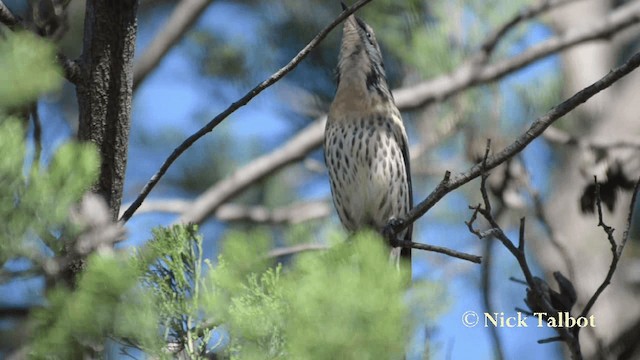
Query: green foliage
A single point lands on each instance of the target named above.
(35, 202)
(28, 69)
(38, 202)
(219, 57)
(344, 303)
(347, 303)
(106, 303)
(172, 265)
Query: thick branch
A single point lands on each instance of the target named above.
(182, 18)
(490, 43)
(293, 150)
(235, 106)
(290, 214)
(468, 75)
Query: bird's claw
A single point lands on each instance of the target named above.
(389, 231)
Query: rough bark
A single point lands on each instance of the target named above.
(105, 91)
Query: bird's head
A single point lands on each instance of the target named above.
(360, 64)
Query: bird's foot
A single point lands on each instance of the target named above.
(389, 231)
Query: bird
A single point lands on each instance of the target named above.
(365, 142)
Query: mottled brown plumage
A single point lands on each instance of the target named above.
(365, 143)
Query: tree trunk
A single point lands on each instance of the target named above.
(105, 91)
(610, 116)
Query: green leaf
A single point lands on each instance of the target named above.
(29, 69)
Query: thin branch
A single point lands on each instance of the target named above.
(557, 136)
(37, 134)
(439, 249)
(295, 249)
(467, 75)
(291, 214)
(7, 17)
(70, 68)
(538, 298)
(236, 105)
(537, 127)
(632, 206)
(181, 20)
(616, 250)
(490, 43)
(550, 340)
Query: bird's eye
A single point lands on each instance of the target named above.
(369, 35)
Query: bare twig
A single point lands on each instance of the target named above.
(236, 105)
(537, 296)
(182, 18)
(439, 249)
(616, 250)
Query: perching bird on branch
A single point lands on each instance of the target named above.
(365, 143)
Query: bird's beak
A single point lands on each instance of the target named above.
(350, 24)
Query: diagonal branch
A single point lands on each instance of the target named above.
(7, 17)
(236, 105)
(468, 75)
(182, 18)
(490, 43)
(293, 150)
(536, 129)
